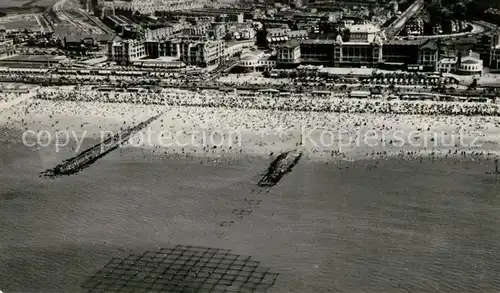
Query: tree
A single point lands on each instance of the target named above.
(459, 11)
(435, 9)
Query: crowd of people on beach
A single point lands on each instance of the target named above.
(119, 111)
(6, 97)
(297, 102)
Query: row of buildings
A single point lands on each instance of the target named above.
(149, 7)
(367, 47)
(467, 64)
(200, 52)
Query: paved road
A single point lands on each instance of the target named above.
(395, 28)
(76, 22)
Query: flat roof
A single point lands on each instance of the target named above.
(318, 41)
(357, 43)
(471, 61)
(363, 28)
(290, 44)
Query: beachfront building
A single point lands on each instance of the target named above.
(364, 47)
(428, 55)
(254, 62)
(163, 48)
(202, 53)
(373, 52)
(126, 51)
(317, 51)
(398, 54)
(289, 53)
(447, 65)
(466, 64)
(469, 64)
(199, 52)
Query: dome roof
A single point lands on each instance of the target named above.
(249, 57)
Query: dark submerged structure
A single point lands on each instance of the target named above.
(279, 167)
(190, 269)
(91, 155)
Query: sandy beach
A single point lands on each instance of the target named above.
(218, 131)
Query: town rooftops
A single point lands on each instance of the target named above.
(297, 34)
(364, 28)
(430, 45)
(274, 32)
(291, 44)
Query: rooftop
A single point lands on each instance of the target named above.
(405, 42)
(364, 28)
(430, 45)
(298, 33)
(291, 44)
(448, 60)
(318, 41)
(470, 60)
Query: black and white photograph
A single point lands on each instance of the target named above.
(249, 146)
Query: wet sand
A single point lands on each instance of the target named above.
(363, 226)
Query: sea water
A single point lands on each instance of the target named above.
(363, 226)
